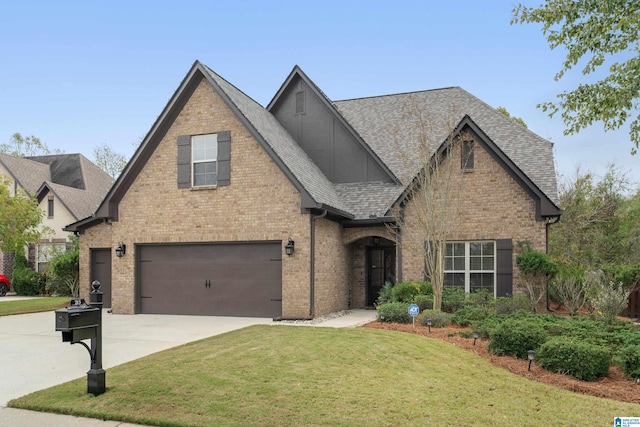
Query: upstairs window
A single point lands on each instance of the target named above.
(204, 156)
(204, 160)
(467, 155)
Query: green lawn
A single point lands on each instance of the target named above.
(32, 305)
(291, 376)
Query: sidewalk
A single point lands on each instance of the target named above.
(139, 336)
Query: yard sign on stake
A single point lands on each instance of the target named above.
(413, 311)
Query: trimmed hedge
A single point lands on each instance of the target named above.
(581, 360)
(516, 338)
(628, 359)
(394, 312)
(439, 319)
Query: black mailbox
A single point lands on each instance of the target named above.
(78, 321)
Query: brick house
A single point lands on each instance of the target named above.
(231, 208)
(68, 187)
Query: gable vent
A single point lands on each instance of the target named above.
(300, 102)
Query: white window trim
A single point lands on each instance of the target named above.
(205, 160)
(467, 265)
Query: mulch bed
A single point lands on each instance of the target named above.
(615, 386)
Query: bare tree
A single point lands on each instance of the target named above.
(108, 160)
(20, 146)
(425, 217)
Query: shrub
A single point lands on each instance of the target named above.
(482, 298)
(438, 318)
(26, 281)
(452, 299)
(406, 291)
(535, 269)
(516, 337)
(63, 270)
(385, 294)
(394, 312)
(424, 302)
(512, 304)
(571, 288)
(611, 300)
(582, 360)
(628, 359)
(470, 315)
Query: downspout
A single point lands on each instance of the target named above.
(312, 266)
(546, 237)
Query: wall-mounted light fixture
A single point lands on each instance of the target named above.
(289, 247)
(121, 249)
(376, 241)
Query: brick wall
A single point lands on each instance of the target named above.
(260, 204)
(486, 204)
(332, 272)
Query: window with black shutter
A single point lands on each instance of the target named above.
(204, 160)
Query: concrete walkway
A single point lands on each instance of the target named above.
(34, 356)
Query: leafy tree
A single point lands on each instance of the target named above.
(600, 222)
(595, 30)
(518, 120)
(20, 218)
(20, 146)
(108, 160)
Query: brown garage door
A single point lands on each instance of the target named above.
(211, 279)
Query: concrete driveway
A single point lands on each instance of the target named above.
(34, 356)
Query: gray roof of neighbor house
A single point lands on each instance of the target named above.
(78, 183)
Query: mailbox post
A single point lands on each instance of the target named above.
(80, 321)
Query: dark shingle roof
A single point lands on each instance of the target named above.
(376, 119)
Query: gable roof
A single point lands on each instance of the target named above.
(376, 118)
(370, 121)
(78, 183)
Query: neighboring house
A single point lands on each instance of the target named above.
(230, 208)
(68, 188)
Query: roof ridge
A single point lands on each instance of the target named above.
(399, 94)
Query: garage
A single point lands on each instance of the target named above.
(226, 279)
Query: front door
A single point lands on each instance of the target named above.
(101, 271)
(381, 266)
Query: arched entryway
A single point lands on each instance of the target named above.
(374, 263)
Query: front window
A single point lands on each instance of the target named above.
(204, 154)
(47, 251)
(470, 265)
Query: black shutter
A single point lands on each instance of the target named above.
(184, 161)
(504, 267)
(224, 158)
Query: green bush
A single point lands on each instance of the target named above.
(26, 281)
(482, 298)
(385, 294)
(512, 304)
(516, 337)
(438, 318)
(582, 360)
(394, 312)
(452, 299)
(406, 291)
(628, 359)
(424, 302)
(470, 315)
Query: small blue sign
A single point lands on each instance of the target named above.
(414, 310)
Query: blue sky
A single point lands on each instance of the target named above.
(78, 74)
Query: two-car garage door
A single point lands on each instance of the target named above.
(231, 279)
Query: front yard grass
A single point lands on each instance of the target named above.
(289, 376)
(32, 305)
